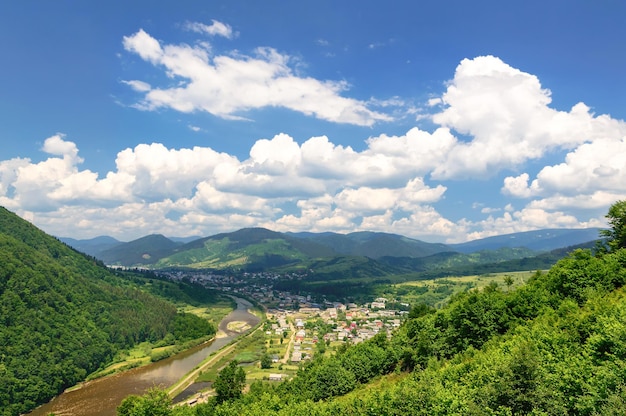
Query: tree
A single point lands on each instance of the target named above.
(266, 361)
(155, 402)
(616, 235)
(508, 281)
(230, 382)
(419, 310)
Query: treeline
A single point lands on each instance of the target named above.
(63, 315)
(554, 346)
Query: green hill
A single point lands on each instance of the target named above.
(247, 249)
(259, 249)
(374, 245)
(62, 315)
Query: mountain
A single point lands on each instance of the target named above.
(374, 245)
(62, 315)
(248, 248)
(256, 249)
(260, 249)
(539, 240)
(93, 246)
(143, 251)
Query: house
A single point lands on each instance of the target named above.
(276, 377)
(300, 335)
(330, 336)
(342, 333)
(296, 357)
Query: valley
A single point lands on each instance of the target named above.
(324, 302)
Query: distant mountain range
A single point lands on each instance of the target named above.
(539, 240)
(262, 249)
(93, 246)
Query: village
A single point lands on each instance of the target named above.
(298, 327)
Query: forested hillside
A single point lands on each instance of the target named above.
(556, 346)
(62, 315)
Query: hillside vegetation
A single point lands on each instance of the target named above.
(555, 346)
(63, 315)
(259, 249)
(347, 266)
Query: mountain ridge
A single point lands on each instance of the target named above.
(258, 246)
(539, 240)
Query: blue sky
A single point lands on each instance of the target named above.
(443, 121)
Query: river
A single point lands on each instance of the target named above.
(101, 397)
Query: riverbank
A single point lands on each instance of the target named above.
(237, 331)
(100, 397)
(147, 353)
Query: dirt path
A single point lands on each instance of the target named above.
(290, 345)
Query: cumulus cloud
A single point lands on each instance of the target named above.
(9, 170)
(506, 114)
(492, 119)
(592, 177)
(144, 45)
(228, 85)
(278, 184)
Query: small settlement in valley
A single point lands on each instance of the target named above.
(298, 327)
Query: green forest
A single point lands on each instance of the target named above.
(554, 346)
(63, 315)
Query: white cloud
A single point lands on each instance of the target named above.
(593, 176)
(276, 184)
(226, 86)
(517, 186)
(55, 145)
(147, 47)
(488, 210)
(214, 29)
(592, 166)
(9, 170)
(395, 184)
(138, 86)
(506, 114)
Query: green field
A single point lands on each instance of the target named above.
(436, 292)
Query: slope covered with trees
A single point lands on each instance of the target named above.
(63, 315)
(552, 347)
